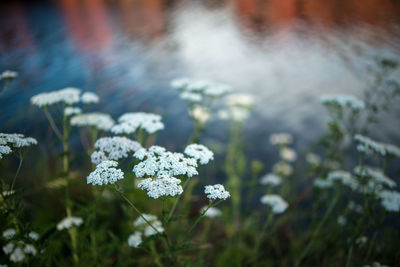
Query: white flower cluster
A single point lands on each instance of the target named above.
(322, 183)
(212, 212)
(313, 159)
(144, 229)
(157, 162)
(68, 96)
(199, 153)
(8, 74)
(18, 250)
(216, 191)
(343, 101)
(271, 179)
(90, 98)
(14, 140)
(280, 139)
(166, 186)
(377, 176)
(113, 148)
(105, 173)
(200, 114)
(101, 121)
(368, 146)
(239, 106)
(344, 177)
(390, 200)
(194, 91)
(376, 264)
(282, 168)
(276, 202)
(69, 222)
(69, 111)
(288, 154)
(129, 123)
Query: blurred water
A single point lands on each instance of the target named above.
(285, 52)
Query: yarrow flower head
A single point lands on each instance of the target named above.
(344, 177)
(343, 101)
(144, 227)
(157, 162)
(282, 168)
(68, 96)
(9, 233)
(276, 202)
(200, 114)
(368, 146)
(200, 87)
(390, 200)
(113, 148)
(280, 139)
(89, 98)
(129, 123)
(240, 100)
(167, 186)
(200, 153)
(69, 111)
(105, 173)
(135, 239)
(377, 176)
(14, 140)
(8, 74)
(69, 222)
(18, 250)
(216, 191)
(100, 121)
(288, 154)
(271, 179)
(211, 212)
(322, 183)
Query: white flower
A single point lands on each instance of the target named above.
(368, 146)
(69, 222)
(322, 183)
(4, 150)
(113, 148)
(8, 248)
(343, 101)
(238, 114)
(9, 233)
(148, 230)
(282, 168)
(17, 255)
(344, 177)
(216, 191)
(98, 120)
(129, 123)
(89, 98)
(376, 175)
(341, 220)
(67, 96)
(135, 239)
(271, 179)
(240, 100)
(390, 200)
(288, 154)
(105, 173)
(200, 114)
(200, 153)
(203, 87)
(180, 83)
(8, 74)
(30, 249)
(16, 140)
(280, 139)
(156, 161)
(313, 159)
(33, 235)
(212, 212)
(276, 202)
(167, 186)
(69, 111)
(191, 97)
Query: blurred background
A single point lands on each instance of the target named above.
(285, 52)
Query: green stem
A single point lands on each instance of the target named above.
(171, 212)
(53, 124)
(5, 87)
(349, 254)
(316, 231)
(21, 158)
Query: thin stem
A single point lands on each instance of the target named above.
(136, 209)
(21, 159)
(349, 254)
(171, 212)
(261, 236)
(5, 87)
(316, 231)
(53, 124)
